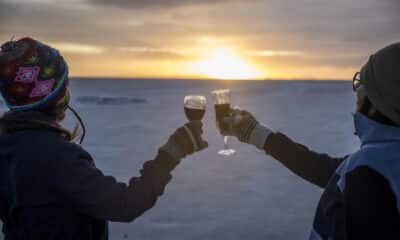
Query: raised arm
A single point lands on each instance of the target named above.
(92, 193)
(314, 167)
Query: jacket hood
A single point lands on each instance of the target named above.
(12, 122)
(370, 131)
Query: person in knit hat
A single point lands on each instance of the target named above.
(361, 198)
(33, 76)
(50, 187)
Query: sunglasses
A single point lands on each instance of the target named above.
(356, 81)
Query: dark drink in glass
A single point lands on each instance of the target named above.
(195, 107)
(222, 103)
(194, 114)
(222, 111)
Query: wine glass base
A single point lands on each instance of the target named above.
(227, 152)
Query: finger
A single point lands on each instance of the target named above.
(244, 112)
(236, 108)
(237, 119)
(236, 112)
(201, 142)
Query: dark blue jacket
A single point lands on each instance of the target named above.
(361, 196)
(353, 194)
(50, 188)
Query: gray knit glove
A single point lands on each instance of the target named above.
(243, 125)
(185, 140)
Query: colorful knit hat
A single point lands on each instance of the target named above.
(33, 76)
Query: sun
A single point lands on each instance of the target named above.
(225, 63)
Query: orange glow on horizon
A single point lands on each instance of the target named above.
(206, 61)
(224, 63)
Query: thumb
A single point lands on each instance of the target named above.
(195, 132)
(236, 108)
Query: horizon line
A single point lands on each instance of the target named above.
(203, 79)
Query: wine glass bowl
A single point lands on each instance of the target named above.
(222, 104)
(195, 107)
(222, 96)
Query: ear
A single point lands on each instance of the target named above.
(361, 98)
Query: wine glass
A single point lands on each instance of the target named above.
(195, 107)
(222, 105)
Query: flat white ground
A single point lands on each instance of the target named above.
(245, 196)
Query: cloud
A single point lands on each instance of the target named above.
(74, 23)
(6, 11)
(301, 33)
(140, 4)
(274, 53)
(154, 53)
(75, 48)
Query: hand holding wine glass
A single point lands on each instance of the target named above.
(243, 125)
(195, 109)
(188, 139)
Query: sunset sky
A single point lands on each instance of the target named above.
(232, 39)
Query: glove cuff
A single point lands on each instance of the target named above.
(172, 150)
(259, 135)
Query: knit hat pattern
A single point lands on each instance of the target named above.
(32, 75)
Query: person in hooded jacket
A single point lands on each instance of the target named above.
(50, 187)
(361, 197)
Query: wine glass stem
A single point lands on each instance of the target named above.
(225, 142)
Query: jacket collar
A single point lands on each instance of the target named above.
(370, 131)
(12, 122)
